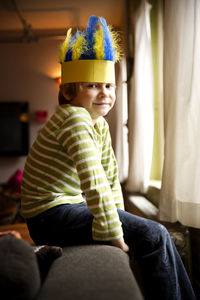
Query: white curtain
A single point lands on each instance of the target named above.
(180, 192)
(140, 122)
(117, 120)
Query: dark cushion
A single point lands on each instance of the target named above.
(19, 272)
(91, 272)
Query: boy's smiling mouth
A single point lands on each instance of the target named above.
(102, 103)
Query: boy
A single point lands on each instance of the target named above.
(70, 189)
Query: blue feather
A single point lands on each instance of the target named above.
(108, 43)
(91, 26)
(90, 30)
(68, 55)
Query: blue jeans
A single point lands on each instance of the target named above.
(163, 273)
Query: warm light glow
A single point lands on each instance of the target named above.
(56, 76)
(58, 79)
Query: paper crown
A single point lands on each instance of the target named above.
(90, 56)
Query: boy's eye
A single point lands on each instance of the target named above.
(110, 86)
(96, 86)
(92, 85)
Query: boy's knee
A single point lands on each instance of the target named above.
(154, 236)
(160, 229)
(157, 232)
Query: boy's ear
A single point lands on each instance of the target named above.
(63, 99)
(65, 95)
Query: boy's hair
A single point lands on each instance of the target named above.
(70, 89)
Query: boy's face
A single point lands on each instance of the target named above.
(97, 98)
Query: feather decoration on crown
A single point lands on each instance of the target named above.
(64, 46)
(98, 41)
(68, 55)
(89, 36)
(115, 40)
(87, 41)
(75, 42)
(78, 45)
(108, 42)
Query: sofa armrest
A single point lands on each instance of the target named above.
(19, 272)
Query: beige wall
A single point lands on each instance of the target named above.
(26, 74)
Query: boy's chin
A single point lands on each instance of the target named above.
(103, 112)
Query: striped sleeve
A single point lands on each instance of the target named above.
(109, 164)
(78, 138)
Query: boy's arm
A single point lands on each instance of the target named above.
(109, 164)
(77, 137)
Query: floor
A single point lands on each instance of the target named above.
(21, 228)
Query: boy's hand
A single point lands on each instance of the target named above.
(120, 244)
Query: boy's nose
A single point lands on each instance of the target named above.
(103, 90)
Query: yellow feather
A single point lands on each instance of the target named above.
(64, 47)
(78, 46)
(115, 38)
(98, 43)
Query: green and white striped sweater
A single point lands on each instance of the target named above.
(71, 156)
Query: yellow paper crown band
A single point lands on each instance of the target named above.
(88, 71)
